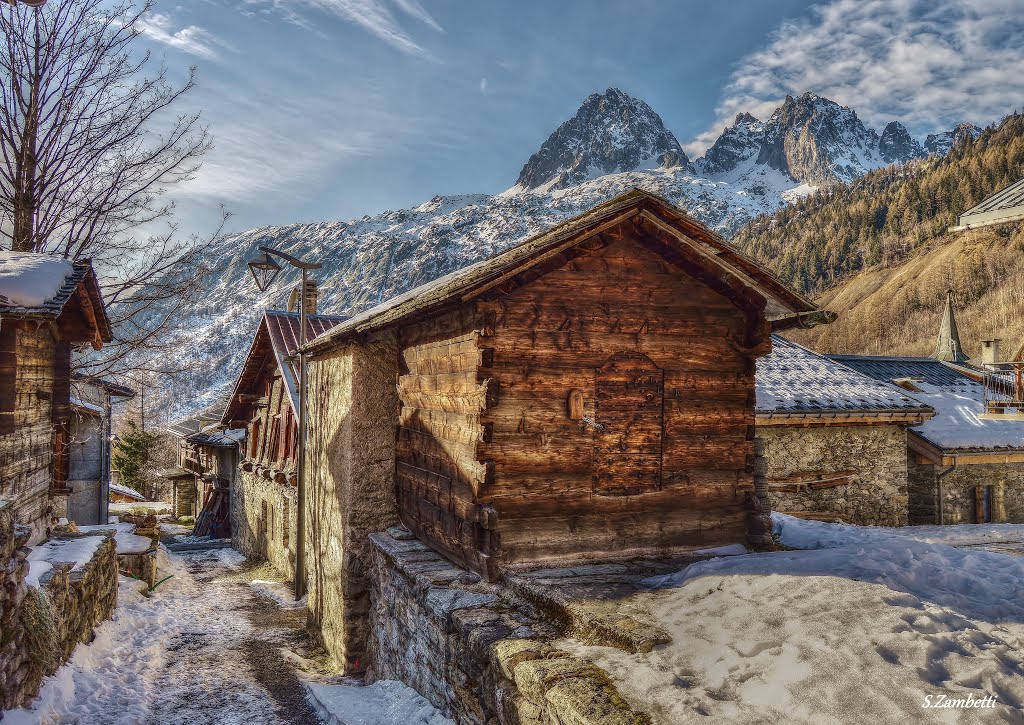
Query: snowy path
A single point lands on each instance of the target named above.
(226, 665)
(205, 649)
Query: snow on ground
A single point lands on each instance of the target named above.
(383, 703)
(859, 628)
(277, 592)
(125, 538)
(206, 649)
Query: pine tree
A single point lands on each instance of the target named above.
(132, 454)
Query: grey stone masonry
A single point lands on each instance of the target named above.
(472, 649)
(856, 473)
(39, 629)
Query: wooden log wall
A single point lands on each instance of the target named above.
(661, 458)
(440, 472)
(604, 405)
(26, 452)
(272, 434)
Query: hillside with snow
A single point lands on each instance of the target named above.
(612, 144)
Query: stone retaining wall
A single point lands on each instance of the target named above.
(472, 650)
(13, 569)
(57, 616)
(82, 598)
(264, 521)
(875, 457)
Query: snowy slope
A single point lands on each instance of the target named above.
(376, 257)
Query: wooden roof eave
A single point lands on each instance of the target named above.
(249, 372)
(826, 417)
(474, 280)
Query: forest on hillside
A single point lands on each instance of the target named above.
(880, 252)
(887, 216)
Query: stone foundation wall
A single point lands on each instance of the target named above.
(875, 493)
(14, 664)
(40, 629)
(960, 491)
(264, 520)
(351, 488)
(466, 647)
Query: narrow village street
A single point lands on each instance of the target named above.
(207, 647)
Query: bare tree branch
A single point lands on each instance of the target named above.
(87, 152)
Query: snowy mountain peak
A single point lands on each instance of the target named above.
(611, 132)
(940, 143)
(896, 144)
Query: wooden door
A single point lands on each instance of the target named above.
(630, 393)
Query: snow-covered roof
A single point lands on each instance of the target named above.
(40, 285)
(126, 491)
(86, 407)
(1006, 205)
(793, 379)
(958, 400)
(957, 426)
(31, 280)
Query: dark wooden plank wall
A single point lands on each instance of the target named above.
(492, 470)
(677, 410)
(439, 471)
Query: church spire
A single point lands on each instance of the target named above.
(948, 346)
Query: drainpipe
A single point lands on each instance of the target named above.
(938, 488)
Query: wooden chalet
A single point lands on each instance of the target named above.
(587, 394)
(48, 306)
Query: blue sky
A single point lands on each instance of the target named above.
(331, 109)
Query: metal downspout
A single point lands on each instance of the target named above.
(938, 486)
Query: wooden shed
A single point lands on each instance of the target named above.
(587, 394)
(48, 305)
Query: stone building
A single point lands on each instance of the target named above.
(207, 463)
(90, 429)
(48, 307)
(264, 406)
(834, 441)
(963, 467)
(585, 395)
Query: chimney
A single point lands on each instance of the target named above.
(990, 351)
(312, 293)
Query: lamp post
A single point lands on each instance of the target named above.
(265, 270)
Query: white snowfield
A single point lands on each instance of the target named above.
(29, 279)
(858, 628)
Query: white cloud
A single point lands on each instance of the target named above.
(263, 149)
(927, 63)
(483, 86)
(374, 16)
(191, 39)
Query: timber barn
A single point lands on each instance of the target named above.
(48, 306)
(585, 395)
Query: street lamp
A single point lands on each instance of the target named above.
(265, 270)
